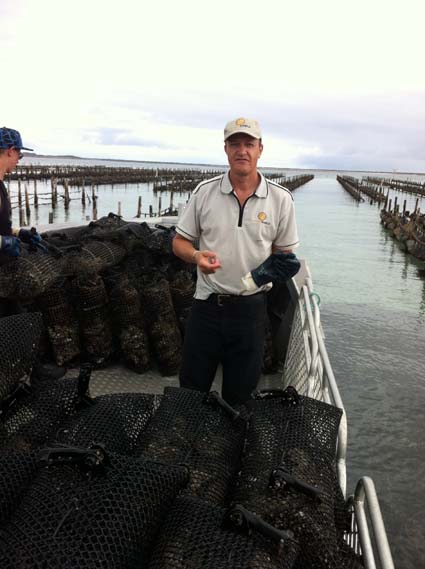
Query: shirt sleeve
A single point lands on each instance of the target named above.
(188, 224)
(287, 232)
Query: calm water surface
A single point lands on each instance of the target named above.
(373, 312)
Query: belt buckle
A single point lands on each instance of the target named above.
(221, 298)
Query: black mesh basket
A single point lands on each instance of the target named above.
(131, 235)
(105, 253)
(182, 288)
(128, 325)
(288, 474)
(102, 510)
(202, 432)
(95, 327)
(195, 535)
(61, 322)
(19, 337)
(162, 326)
(161, 240)
(37, 413)
(34, 273)
(17, 469)
(115, 420)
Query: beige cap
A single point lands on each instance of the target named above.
(247, 126)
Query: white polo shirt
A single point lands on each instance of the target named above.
(242, 236)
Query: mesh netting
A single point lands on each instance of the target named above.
(193, 429)
(162, 325)
(161, 240)
(17, 469)
(30, 274)
(19, 337)
(37, 414)
(182, 288)
(288, 473)
(194, 535)
(128, 325)
(103, 253)
(105, 223)
(70, 519)
(116, 421)
(131, 236)
(7, 279)
(95, 327)
(296, 369)
(61, 322)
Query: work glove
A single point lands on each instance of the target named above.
(29, 236)
(279, 268)
(10, 245)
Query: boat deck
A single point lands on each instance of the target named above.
(119, 379)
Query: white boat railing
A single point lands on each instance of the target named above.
(366, 515)
(307, 366)
(308, 369)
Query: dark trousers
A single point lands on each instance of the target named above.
(231, 334)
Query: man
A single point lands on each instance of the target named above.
(10, 239)
(246, 229)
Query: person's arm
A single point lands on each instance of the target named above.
(206, 260)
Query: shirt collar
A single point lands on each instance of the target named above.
(260, 192)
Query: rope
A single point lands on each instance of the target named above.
(316, 296)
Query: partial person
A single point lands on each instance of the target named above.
(11, 147)
(10, 238)
(246, 228)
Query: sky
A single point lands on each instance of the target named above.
(334, 84)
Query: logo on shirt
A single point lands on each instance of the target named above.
(262, 216)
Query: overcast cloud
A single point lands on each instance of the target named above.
(334, 84)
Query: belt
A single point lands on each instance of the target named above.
(222, 299)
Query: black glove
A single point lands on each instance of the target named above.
(10, 245)
(29, 236)
(279, 267)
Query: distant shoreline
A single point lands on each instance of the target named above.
(72, 157)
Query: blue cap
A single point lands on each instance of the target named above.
(10, 138)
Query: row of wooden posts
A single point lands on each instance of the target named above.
(23, 204)
(177, 181)
(408, 228)
(358, 188)
(408, 186)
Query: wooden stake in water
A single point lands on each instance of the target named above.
(66, 194)
(35, 194)
(27, 202)
(94, 207)
(139, 207)
(19, 194)
(119, 209)
(159, 205)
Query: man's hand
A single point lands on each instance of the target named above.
(11, 246)
(207, 261)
